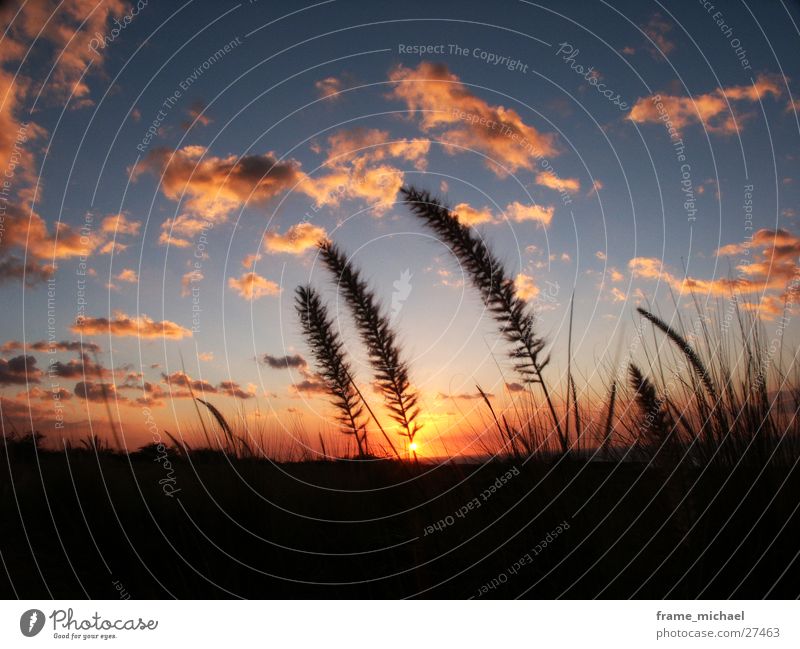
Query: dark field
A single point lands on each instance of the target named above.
(92, 525)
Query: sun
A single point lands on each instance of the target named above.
(412, 446)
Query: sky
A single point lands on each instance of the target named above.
(168, 169)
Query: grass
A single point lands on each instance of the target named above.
(335, 369)
(374, 327)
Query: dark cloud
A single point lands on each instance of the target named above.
(32, 271)
(97, 391)
(283, 362)
(55, 346)
(79, 367)
(19, 370)
(465, 395)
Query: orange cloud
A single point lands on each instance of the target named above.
(768, 263)
(551, 181)
(192, 277)
(375, 145)
(120, 224)
(252, 286)
(469, 215)
(328, 87)
(526, 287)
(128, 275)
(29, 231)
(215, 186)
(445, 104)
(710, 109)
(617, 295)
(125, 325)
(516, 211)
(298, 238)
(70, 28)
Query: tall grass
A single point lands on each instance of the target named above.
(497, 289)
(328, 351)
(383, 349)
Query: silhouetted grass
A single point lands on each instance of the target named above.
(391, 372)
(517, 323)
(328, 351)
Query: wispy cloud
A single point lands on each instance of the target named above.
(252, 286)
(461, 118)
(297, 239)
(124, 325)
(711, 109)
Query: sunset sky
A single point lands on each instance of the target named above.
(167, 175)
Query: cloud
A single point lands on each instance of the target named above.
(201, 386)
(312, 383)
(196, 115)
(153, 394)
(19, 370)
(657, 29)
(540, 214)
(71, 28)
(375, 145)
(125, 325)
(710, 109)
(469, 215)
(183, 380)
(53, 394)
(298, 238)
(252, 286)
(767, 263)
(329, 87)
(283, 362)
(214, 186)
(120, 224)
(526, 287)
(447, 106)
(31, 270)
(597, 185)
(128, 275)
(233, 389)
(192, 277)
(74, 368)
(249, 261)
(617, 295)
(515, 387)
(182, 230)
(376, 185)
(551, 181)
(48, 346)
(97, 391)
(463, 395)
(29, 231)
